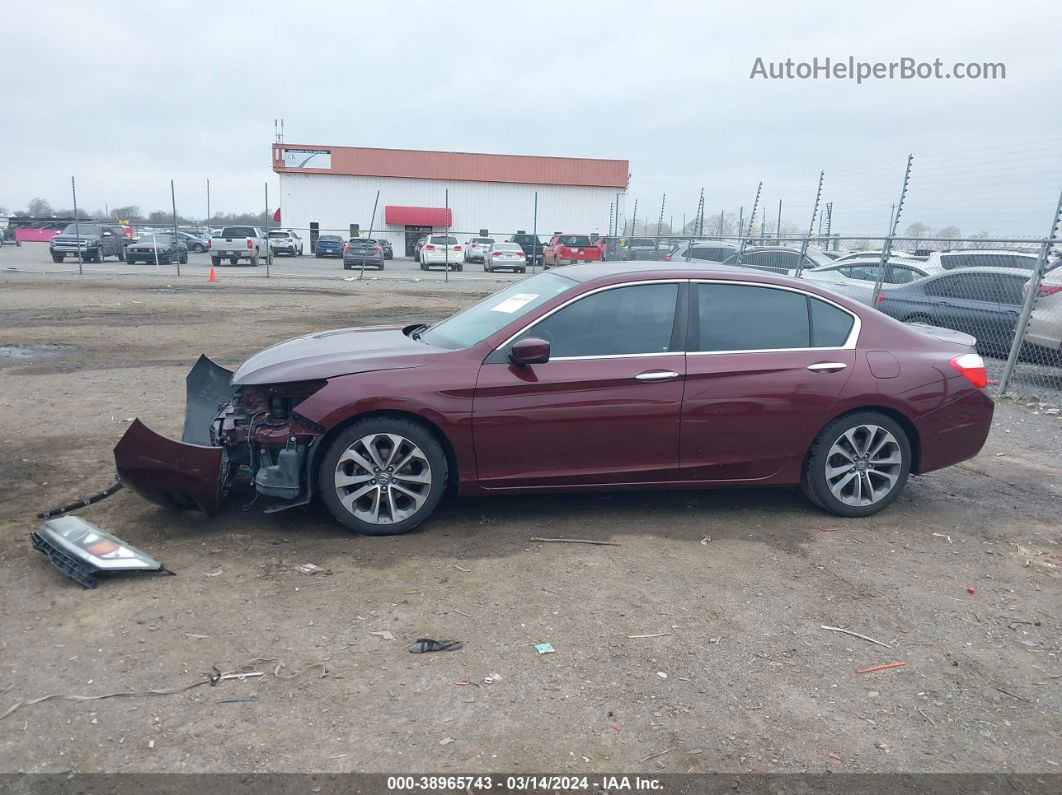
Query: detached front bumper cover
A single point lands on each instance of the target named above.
(185, 474)
(80, 550)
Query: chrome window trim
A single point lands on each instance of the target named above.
(585, 295)
(849, 343)
(615, 356)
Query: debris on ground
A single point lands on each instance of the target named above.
(423, 645)
(311, 568)
(882, 667)
(971, 591)
(81, 550)
(575, 541)
(544, 648)
(661, 674)
(650, 635)
(855, 635)
(383, 634)
(446, 740)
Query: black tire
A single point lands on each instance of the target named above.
(198, 248)
(346, 267)
(98, 256)
(460, 268)
(183, 258)
(121, 254)
(215, 261)
(381, 266)
(423, 267)
(814, 482)
(58, 257)
(412, 431)
(522, 270)
(318, 256)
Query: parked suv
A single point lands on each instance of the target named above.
(442, 250)
(361, 252)
(285, 242)
(95, 242)
(568, 249)
(477, 247)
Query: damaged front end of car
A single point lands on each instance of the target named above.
(233, 436)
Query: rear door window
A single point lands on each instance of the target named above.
(735, 317)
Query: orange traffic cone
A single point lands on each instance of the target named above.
(213, 277)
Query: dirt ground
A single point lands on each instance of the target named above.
(959, 578)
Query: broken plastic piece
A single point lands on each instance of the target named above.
(544, 648)
(80, 550)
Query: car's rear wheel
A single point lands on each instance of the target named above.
(858, 464)
(383, 476)
(198, 248)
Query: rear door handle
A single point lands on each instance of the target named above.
(826, 367)
(656, 375)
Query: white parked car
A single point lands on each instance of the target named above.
(285, 241)
(442, 250)
(1045, 322)
(856, 278)
(507, 256)
(981, 258)
(476, 248)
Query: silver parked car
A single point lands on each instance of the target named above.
(507, 256)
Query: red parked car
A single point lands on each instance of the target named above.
(605, 376)
(570, 249)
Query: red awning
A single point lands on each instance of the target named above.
(418, 216)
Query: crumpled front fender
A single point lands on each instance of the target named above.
(170, 473)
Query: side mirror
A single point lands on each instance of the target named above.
(530, 350)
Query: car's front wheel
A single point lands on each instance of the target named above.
(383, 476)
(858, 464)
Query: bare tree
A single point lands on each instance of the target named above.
(39, 208)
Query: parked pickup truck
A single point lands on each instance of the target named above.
(240, 242)
(95, 242)
(568, 249)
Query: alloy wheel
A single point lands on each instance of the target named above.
(383, 478)
(863, 465)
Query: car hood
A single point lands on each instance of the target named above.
(64, 238)
(328, 354)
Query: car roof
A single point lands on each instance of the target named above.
(697, 269)
(955, 252)
(1025, 274)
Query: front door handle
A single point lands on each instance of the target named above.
(656, 375)
(826, 367)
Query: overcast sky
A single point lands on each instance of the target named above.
(130, 96)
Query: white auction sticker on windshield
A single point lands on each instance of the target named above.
(514, 302)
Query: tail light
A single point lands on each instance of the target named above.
(378, 248)
(879, 298)
(457, 248)
(250, 243)
(210, 244)
(429, 247)
(972, 366)
(667, 257)
(1049, 289)
(520, 254)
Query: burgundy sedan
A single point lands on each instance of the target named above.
(604, 376)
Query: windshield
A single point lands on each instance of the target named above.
(85, 229)
(496, 311)
(237, 231)
(330, 239)
(279, 234)
(443, 240)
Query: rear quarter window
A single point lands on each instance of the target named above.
(830, 326)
